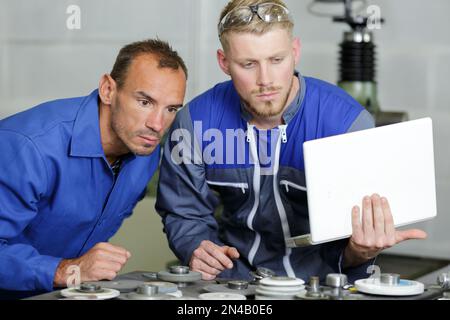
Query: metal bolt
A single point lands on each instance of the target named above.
(265, 272)
(179, 269)
(238, 285)
(261, 273)
(336, 280)
(314, 288)
(147, 289)
(89, 288)
(391, 279)
(443, 280)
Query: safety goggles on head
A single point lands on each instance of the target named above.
(267, 12)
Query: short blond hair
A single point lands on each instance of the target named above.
(256, 26)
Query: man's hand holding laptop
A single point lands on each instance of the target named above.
(375, 231)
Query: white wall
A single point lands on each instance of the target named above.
(40, 59)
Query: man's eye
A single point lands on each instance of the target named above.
(144, 103)
(173, 110)
(277, 60)
(248, 65)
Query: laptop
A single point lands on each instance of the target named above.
(396, 161)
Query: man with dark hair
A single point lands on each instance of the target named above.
(72, 170)
(242, 140)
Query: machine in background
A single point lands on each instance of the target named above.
(357, 62)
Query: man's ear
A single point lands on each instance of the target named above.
(223, 61)
(107, 89)
(297, 48)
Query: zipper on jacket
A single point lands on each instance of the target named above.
(281, 211)
(240, 185)
(288, 184)
(256, 189)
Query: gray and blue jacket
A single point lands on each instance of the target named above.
(212, 155)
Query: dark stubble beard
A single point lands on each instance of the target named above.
(123, 135)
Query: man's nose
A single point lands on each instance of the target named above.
(155, 120)
(264, 78)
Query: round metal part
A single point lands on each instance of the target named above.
(315, 296)
(147, 289)
(221, 296)
(249, 291)
(404, 288)
(336, 280)
(443, 280)
(314, 283)
(391, 279)
(264, 272)
(90, 288)
(164, 287)
(137, 296)
(151, 275)
(179, 269)
(282, 281)
(124, 286)
(261, 273)
(76, 294)
(237, 285)
(255, 277)
(314, 287)
(191, 276)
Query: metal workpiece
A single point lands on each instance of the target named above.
(153, 291)
(147, 289)
(389, 284)
(313, 290)
(138, 296)
(265, 272)
(336, 280)
(88, 292)
(391, 279)
(337, 289)
(123, 286)
(164, 287)
(238, 285)
(443, 280)
(261, 273)
(232, 286)
(222, 296)
(180, 275)
(179, 270)
(90, 288)
(150, 275)
(270, 288)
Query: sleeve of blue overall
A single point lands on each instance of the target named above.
(333, 252)
(23, 182)
(184, 200)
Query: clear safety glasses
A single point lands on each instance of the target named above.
(267, 12)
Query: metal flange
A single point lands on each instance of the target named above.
(179, 274)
